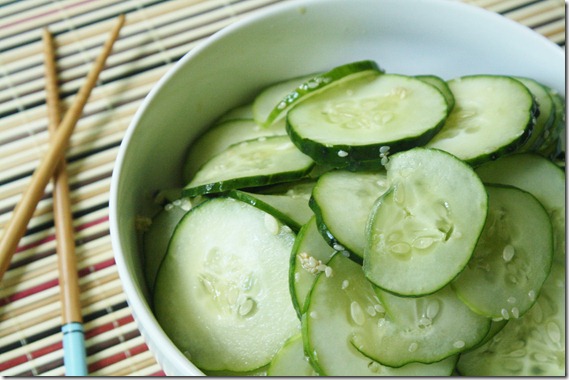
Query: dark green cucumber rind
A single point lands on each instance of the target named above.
(545, 115)
(321, 81)
(441, 85)
(257, 202)
(359, 157)
(328, 236)
(245, 182)
(551, 146)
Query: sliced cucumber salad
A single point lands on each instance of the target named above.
(359, 222)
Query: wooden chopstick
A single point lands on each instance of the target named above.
(24, 210)
(75, 357)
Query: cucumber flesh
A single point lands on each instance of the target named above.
(422, 232)
(281, 101)
(224, 276)
(158, 234)
(492, 116)
(442, 86)
(290, 209)
(309, 256)
(362, 119)
(533, 345)
(540, 177)
(513, 256)
(340, 306)
(290, 360)
(421, 329)
(342, 201)
(259, 162)
(220, 137)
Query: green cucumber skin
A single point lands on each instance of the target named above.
(358, 157)
(245, 182)
(328, 236)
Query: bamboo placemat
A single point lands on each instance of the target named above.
(156, 35)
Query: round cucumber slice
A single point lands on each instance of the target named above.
(343, 305)
(513, 256)
(258, 162)
(226, 275)
(493, 115)
(422, 232)
(366, 118)
(342, 201)
(290, 360)
(533, 345)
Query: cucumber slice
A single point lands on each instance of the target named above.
(156, 238)
(220, 137)
(342, 201)
(291, 210)
(290, 360)
(259, 162)
(244, 112)
(540, 177)
(268, 99)
(281, 102)
(365, 118)
(224, 276)
(513, 256)
(423, 329)
(553, 143)
(546, 113)
(309, 256)
(422, 231)
(341, 306)
(442, 86)
(533, 345)
(493, 116)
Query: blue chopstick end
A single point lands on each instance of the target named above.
(74, 354)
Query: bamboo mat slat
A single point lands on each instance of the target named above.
(157, 34)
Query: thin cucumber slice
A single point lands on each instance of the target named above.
(546, 113)
(224, 276)
(513, 256)
(423, 329)
(266, 101)
(244, 112)
(157, 236)
(493, 116)
(309, 86)
(341, 306)
(220, 137)
(290, 360)
(291, 210)
(342, 201)
(309, 256)
(422, 231)
(533, 345)
(442, 86)
(553, 143)
(365, 118)
(540, 177)
(259, 162)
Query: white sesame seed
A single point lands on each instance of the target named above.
(505, 314)
(357, 313)
(342, 153)
(345, 284)
(458, 344)
(328, 271)
(338, 247)
(515, 312)
(508, 253)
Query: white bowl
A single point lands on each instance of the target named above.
(293, 38)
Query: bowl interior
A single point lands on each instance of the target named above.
(289, 39)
